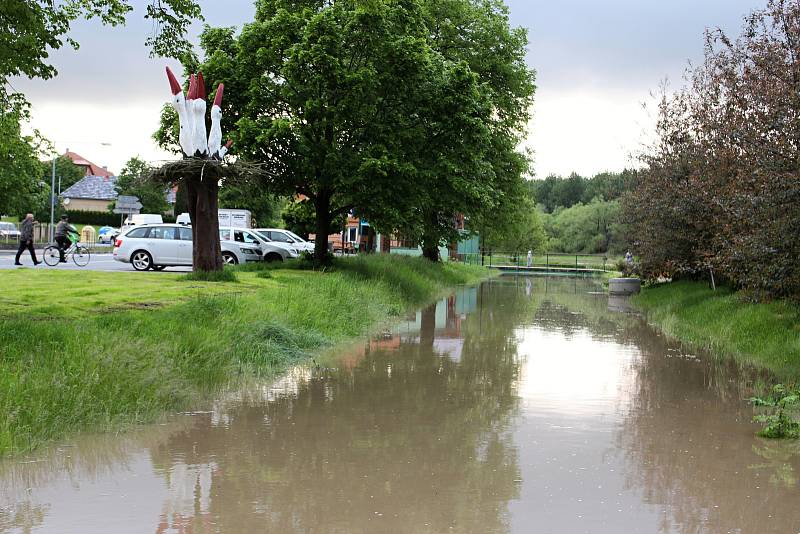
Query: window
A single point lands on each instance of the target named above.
(185, 234)
(225, 235)
(138, 232)
(295, 236)
(280, 237)
(264, 236)
(244, 237)
(352, 234)
(161, 232)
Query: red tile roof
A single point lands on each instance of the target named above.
(91, 168)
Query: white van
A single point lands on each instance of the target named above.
(143, 218)
(227, 219)
(235, 219)
(140, 219)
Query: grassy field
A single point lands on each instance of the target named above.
(765, 335)
(98, 351)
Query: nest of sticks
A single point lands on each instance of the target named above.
(207, 169)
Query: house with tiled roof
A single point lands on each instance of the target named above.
(91, 193)
(90, 169)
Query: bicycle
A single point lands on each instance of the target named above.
(80, 254)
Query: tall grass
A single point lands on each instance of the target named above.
(766, 335)
(98, 371)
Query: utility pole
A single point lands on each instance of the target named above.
(52, 198)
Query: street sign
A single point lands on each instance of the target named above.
(127, 204)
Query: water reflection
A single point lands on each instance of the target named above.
(522, 405)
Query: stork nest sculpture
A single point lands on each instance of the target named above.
(202, 167)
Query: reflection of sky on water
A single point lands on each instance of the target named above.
(572, 378)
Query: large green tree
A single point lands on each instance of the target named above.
(336, 101)
(479, 176)
(405, 112)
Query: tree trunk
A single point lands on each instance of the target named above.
(322, 206)
(427, 331)
(430, 249)
(203, 209)
(430, 241)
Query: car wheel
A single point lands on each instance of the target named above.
(229, 258)
(141, 260)
(273, 256)
(159, 267)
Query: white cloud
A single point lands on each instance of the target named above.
(83, 127)
(587, 131)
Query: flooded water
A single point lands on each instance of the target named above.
(522, 405)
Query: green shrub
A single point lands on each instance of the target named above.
(780, 419)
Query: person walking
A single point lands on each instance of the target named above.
(529, 260)
(63, 229)
(26, 239)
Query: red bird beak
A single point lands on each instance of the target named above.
(173, 82)
(201, 86)
(218, 97)
(192, 88)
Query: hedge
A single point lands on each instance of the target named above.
(101, 218)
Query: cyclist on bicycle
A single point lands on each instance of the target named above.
(63, 230)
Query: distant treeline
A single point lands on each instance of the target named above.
(583, 215)
(559, 192)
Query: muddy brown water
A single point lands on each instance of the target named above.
(522, 405)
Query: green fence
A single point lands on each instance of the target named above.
(548, 260)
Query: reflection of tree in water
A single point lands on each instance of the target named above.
(688, 446)
(407, 441)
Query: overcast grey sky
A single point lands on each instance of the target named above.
(597, 63)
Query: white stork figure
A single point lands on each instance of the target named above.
(215, 133)
(198, 107)
(179, 103)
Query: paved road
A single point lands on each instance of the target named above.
(99, 262)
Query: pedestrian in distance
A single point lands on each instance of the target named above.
(529, 261)
(629, 258)
(26, 239)
(63, 229)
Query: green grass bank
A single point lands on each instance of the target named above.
(98, 351)
(765, 335)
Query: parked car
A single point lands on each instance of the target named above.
(157, 246)
(107, 234)
(273, 250)
(285, 236)
(8, 231)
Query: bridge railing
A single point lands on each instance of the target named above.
(545, 260)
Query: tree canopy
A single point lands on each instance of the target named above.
(404, 112)
(559, 192)
(721, 188)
